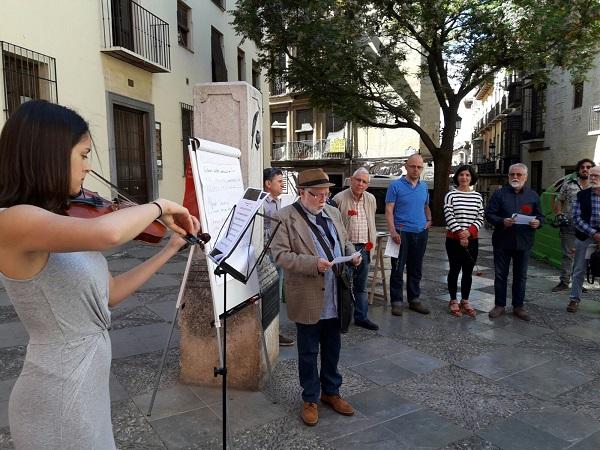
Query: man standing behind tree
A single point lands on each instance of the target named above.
(273, 184)
(358, 214)
(408, 219)
(563, 207)
(511, 240)
(586, 218)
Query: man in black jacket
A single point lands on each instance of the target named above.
(586, 218)
(508, 206)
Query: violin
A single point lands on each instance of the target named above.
(89, 204)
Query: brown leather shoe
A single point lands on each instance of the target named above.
(397, 309)
(496, 312)
(310, 413)
(521, 313)
(338, 404)
(418, 307)
(573, 305)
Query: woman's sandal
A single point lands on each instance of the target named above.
(454, 308)
(466, 308)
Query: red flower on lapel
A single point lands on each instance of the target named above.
(352, 212)
(526, 209)
(369, 246)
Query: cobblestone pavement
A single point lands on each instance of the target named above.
(424, 382)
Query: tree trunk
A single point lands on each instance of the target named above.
(441, 182)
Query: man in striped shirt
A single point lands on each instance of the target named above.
(586, 218)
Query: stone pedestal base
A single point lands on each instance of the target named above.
(246, 363)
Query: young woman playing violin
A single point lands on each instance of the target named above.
(58, 281)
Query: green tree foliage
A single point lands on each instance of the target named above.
(349, 55)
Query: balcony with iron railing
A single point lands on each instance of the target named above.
(278, 86)
(339, 148)
(133, 34)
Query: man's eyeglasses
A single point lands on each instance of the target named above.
(594, 175)
(323, 196)
(518, 175)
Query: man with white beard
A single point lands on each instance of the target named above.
(512, 240)
(586, 218)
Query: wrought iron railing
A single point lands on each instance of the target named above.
(278, 86)
(339, 148)
(129, 26)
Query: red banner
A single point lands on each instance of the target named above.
(189, 197)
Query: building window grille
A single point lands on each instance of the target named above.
(241, 65)
(183, 24)
(577, 95)
(219, 3)
(219, 68)
(187, 130)
(27, 75)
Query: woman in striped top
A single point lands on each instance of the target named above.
(463, 211)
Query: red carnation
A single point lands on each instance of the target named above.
(369, 246)
(526, 209)
(352, 212)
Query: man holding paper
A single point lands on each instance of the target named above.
(408, 219)
(310, 237)
(514, 211)
(358, 214)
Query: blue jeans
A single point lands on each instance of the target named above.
(326, 335)
(579, 267)
(360, 276)
(412, 251)
(502, 259)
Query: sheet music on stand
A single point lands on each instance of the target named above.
(233, 249)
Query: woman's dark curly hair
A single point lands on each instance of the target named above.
(462, 169)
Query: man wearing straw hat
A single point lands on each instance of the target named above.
(310, 229)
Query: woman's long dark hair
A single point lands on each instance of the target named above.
(35, 155)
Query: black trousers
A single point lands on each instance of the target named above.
(461, 258)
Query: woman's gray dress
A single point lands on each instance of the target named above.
(61, 399)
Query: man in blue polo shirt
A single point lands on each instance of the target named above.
(408, 218)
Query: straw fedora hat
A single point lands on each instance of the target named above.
(313, 178)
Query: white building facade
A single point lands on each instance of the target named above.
(129, 69)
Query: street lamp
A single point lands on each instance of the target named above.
(492, 150)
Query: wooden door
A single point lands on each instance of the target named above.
(131, 148)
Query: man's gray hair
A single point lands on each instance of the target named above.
(520, 165)
(362, 170)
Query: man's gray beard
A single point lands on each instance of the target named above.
(314, 211)
(594, 184)
(515, 184)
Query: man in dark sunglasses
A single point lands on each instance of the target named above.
(564, 214)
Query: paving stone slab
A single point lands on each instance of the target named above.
(117, 391)
(3, 413)
(381, 404)
(382, 371)
(4, 300)
(589, 330)
(501, 335)
(5, 389)
(174, 400)
(134, 317)
(370, 350)
(13, 334)
(501, 363)
(547, 380)
(415, 361)
(186, 429)
(130, 428)
(141, 339)
(513, 434)
(590, 443)
(560, 422)
(374, 438)
(333, 425)
(464, 397)
(425, 429)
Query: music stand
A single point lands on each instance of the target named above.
(224, 269)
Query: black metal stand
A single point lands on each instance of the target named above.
(223, 369)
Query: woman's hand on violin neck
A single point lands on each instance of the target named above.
(177, 217)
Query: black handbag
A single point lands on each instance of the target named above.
(345, 294)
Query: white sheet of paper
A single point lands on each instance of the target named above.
(522, 219)
(391, 248)
(343, 259)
